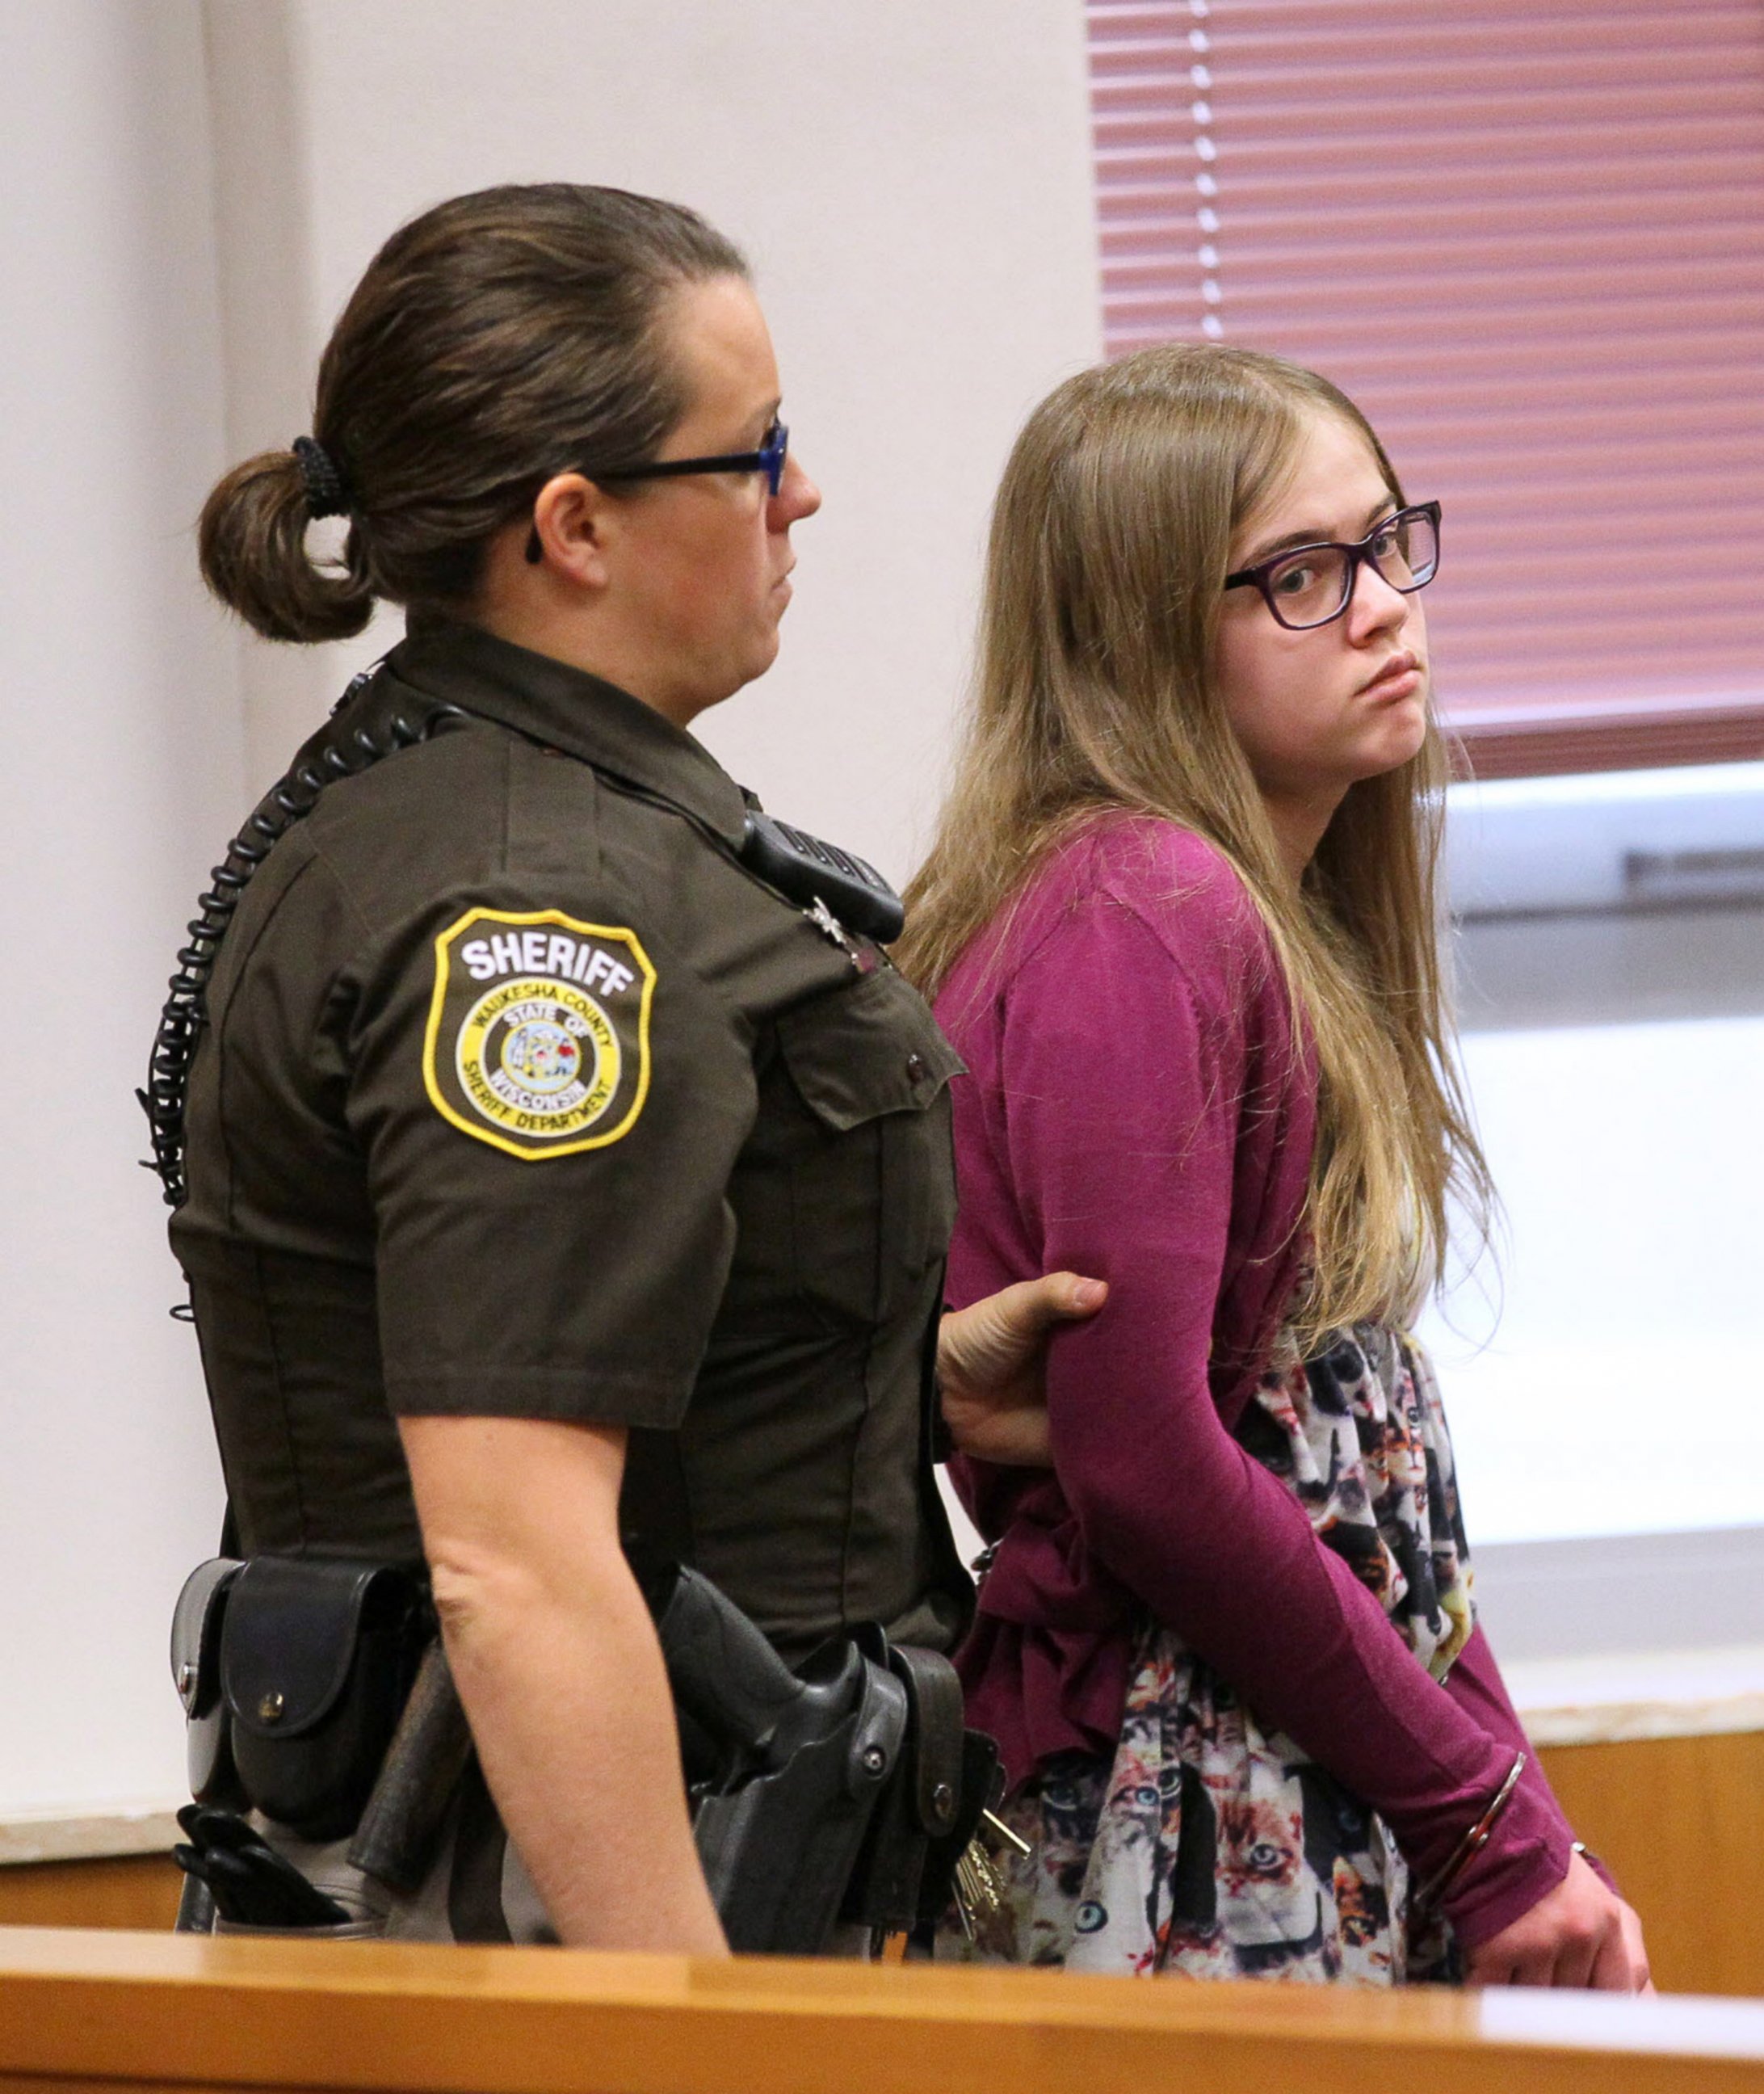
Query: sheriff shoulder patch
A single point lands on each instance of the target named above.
(538, 1039)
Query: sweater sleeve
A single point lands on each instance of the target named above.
(1122, 1098)
(1475, 1683)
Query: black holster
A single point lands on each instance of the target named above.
(838, 1795)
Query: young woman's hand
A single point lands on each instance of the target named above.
(1581, 1933)
(990, 1361)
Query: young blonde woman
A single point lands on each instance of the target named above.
(1180, 923)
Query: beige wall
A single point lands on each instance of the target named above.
(120, 777)
(913, 184)
(203, 185)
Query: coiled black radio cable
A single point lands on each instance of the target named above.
(336, 751)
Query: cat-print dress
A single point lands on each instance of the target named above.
(1209, 1846)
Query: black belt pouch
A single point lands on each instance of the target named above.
(196, 1630)
(316, 1660)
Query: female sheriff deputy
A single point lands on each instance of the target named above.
(557, 1193)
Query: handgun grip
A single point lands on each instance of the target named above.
(722, 1670)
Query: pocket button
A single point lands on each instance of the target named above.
(916, 1071)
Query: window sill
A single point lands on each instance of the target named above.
(1642, 1694)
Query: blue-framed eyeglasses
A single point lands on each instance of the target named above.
(1312, 584)
(768, 459)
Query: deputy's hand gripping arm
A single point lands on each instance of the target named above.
(991, 1366)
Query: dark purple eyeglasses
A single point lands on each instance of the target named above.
(1312, 584)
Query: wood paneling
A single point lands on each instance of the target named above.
(136, 2011)
(1680, 1820)
(136, 1891)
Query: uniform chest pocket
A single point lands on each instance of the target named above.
(871, 1174)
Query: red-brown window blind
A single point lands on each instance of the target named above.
(1527, 237)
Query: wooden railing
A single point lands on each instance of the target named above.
(112, 2011)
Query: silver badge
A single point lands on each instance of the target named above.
(862, 957)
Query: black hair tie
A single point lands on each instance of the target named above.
(319, 475)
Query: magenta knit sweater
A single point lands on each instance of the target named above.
(1138, 1111)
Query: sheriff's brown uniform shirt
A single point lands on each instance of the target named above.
(521, 1096)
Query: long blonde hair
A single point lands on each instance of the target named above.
(1110, 539)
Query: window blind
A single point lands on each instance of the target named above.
(1527, 237)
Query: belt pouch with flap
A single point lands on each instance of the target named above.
(196, 1624)
(316, 1659)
